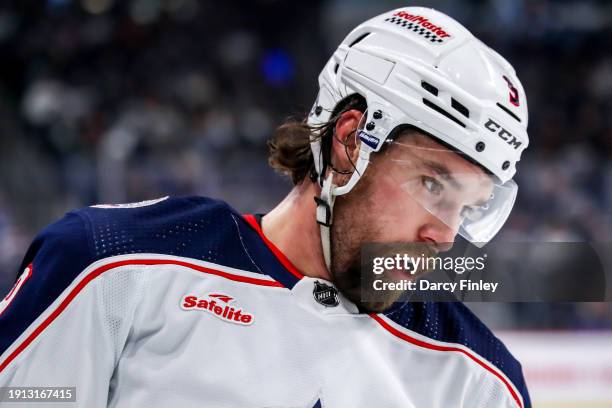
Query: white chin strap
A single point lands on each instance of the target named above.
(325, 212)
(325, 202)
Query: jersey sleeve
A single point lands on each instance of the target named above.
(454, 324)
(58, 325)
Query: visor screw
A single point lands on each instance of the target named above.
(377, 115)
(505, 165)
(480, 146)
(370, 126)
(318, 110)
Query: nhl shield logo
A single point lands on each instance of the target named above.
(325, 294)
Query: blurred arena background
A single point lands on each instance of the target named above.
(117, 101)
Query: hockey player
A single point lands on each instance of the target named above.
(414, 137)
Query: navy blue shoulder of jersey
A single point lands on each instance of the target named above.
(453, 322)
(191, 227)
(54, 256)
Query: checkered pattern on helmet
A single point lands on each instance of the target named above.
(409, 25)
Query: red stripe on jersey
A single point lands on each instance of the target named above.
(437, 347)
(98, 271)
(277, 252)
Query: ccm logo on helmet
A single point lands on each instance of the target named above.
(503, 133)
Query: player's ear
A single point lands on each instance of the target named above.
(345, 146)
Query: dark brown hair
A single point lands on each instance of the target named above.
(289, 146)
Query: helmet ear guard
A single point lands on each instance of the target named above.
(324, 120)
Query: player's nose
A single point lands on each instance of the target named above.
(439, 235)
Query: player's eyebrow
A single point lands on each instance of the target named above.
(444, 172)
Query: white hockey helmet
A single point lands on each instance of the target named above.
(419, 67)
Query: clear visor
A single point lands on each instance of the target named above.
(447, 184)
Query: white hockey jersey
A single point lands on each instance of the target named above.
(182, 302)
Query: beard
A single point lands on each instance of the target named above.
(350, 231)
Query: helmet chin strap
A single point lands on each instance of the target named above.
(325, 207)
(325, 202)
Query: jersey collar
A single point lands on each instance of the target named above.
(312, 293)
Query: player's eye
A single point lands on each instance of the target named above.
(432, 185)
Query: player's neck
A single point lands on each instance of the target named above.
(293, 228)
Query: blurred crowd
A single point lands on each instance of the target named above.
(118, 101)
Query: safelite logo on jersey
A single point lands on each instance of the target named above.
(212, 303)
